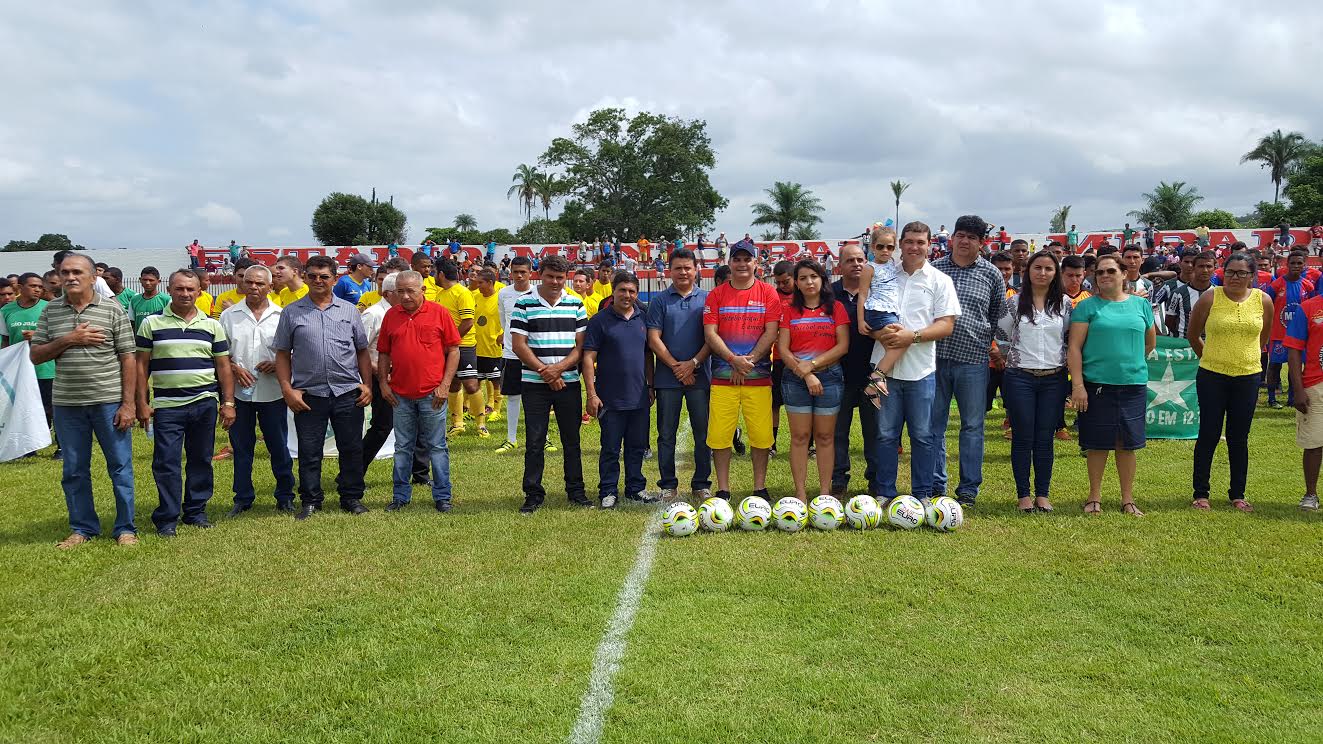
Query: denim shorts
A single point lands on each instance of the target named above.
(796, 396)
(879, 319)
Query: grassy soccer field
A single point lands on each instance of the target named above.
(482, 625)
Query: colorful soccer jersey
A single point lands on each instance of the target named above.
(740, 316)
(812, 330)
(1305, 333)
(459, 301)
(1286, 298)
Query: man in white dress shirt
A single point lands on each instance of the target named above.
(928, 309)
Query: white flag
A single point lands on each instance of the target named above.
(22, 419)
(329, 449)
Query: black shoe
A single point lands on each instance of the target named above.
(240, 509)
(58, 454)
(395, 506)
(965, 502)
(723, 495)
(529, 507)
(166, 531)
(307, 511)
(738, 445)
(286, 507)
(443, 506)
(838, 491)
(201, 523)
(354, 506)
(423, 481)
(763, 494)
(581, 503)
(642, 497)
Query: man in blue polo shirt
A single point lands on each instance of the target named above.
(352, 286)
(618, 338)
(681, 379)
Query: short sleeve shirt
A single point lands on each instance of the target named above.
(813, 330)
(87, 375)
(487, 324)
(551, 329)
(417, 344)
(323, 344)
(740, 316)
(143, 306)
(680, 320)
(1114, 349)
(351, 291)
(1305, 333)
(18, 319)
(459, 301)
(182, 364)
(925, 295)
(621, 344)
(1286, 298)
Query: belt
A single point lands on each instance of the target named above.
(1043, 372)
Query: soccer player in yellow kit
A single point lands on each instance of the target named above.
(487, 320)
(457, 298)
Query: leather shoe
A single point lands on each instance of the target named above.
(201, 523)
(396, 506)
(286, 507)
(443, 506)
(237, 510)
(421, 481)
(166, 531)
(354, 506)
(307, 511)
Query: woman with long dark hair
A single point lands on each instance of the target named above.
(1033, 338)
(814, 335)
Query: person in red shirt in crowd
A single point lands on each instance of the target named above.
(1003, 237)
(1304, 345)
(814, 334)
(1260, 278)
(1287, 292)
(418, 354)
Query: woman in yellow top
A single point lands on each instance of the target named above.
(1228, 327)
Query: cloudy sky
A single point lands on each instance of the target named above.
(149, 123)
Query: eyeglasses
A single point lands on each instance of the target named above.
(1238, 274)
(1106, 272)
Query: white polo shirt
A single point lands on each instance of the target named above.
(924, 296)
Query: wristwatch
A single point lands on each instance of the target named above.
(228, 404)
(918, 337)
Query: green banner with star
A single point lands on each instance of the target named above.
(1173, 405)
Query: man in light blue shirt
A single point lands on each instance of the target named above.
(352, 286)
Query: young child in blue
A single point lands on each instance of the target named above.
(880, 308)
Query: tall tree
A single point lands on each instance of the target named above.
(898, 188)
(465, 222)
(1277, 152)
(547, 188)
(1168, 206)
(349, 219)
(804, 232)
(525, 180)
(646, 175)
(1305, 191)
(789, 204)
(1060, 218)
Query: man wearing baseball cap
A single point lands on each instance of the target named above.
(352, 286)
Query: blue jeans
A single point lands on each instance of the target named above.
(968, 384)
(1034, 405)
(909, 406)
(271, 417)
(630, 430)
(75, 426)
(345, 419)
(418, 424)
(188, 430)
(669, 401)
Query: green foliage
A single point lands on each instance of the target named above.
(804, 232)
(1168, 206)
(465, 222)
(21, 245)
(500, 235)
(1277, 152)
(525, 187)
(1305, 192)
(1060, 218)
(349, 219)
(770, 235)
(542, 231)
(1217, 219)
(897, 189)
(1268, 214)
(642, 176)
(790, 204)
(47, 242)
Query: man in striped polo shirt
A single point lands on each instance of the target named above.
(185, 355)
(90, 340)
(547, 327)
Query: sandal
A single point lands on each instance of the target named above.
(876, 388)
(1043, 509)
(1201, 504)
(1130, 508)
(1093, 507)
(1243, 505)
(1026, 509)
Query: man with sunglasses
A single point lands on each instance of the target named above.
(323, 367)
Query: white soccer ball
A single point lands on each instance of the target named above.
(715, 515)
(679, 519)
(754, 514)
(825, 512)
(905, 512)
(945, 514)
(862, 512)
(790, 514)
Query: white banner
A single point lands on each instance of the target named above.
(328, 443)
(22, 419)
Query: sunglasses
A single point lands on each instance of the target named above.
(319, 277)
(1106, 272)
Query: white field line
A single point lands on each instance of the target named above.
(601, 691)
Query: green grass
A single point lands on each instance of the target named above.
(481, 625)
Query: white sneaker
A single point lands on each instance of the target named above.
(609, 502)
(1309, 502)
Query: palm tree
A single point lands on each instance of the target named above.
(464, 222)
(804, 232)
(525, 180)
(791, 204)
(546, 189)
(1060, 218)
(769, 235)
(1168, 206)
(1277, 152)
(898, 188)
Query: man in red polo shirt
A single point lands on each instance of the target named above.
(418, 353)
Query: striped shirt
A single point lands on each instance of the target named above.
(551, 330)
(86, 375)
(182, 368)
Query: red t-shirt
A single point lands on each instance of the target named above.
(1305, 333)
(417, 345)
(786, 299)
(1282, 294)
(812, 331)
(740, 316)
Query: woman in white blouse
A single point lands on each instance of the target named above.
(1032, 336)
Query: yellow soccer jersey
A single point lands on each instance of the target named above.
(368, 300)
(205, 302)
(459, 301)
(231, 296)
(286, 296)
(487, 324)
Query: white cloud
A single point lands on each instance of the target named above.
(218, 215)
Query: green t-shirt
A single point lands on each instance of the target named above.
(126, 297)
(1114, 349)
(17, 320)
(140, 307)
